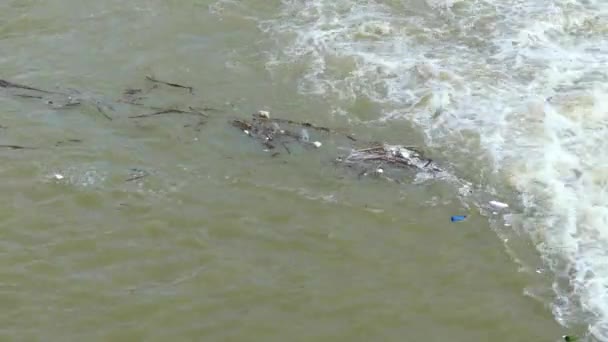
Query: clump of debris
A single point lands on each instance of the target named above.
(278, 132)
(388, 161)
(372, 159)
(276, 135)
(391, 156)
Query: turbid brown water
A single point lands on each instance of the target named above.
(220, 242)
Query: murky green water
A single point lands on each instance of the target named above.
(220, 242)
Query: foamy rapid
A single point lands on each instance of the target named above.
(527, 78)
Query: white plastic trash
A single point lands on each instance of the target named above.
(304, 135)
(498, 205)
(317, 144)
(264, 114)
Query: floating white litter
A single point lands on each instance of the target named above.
(246, 132)
(304, 135)
(498, 205)
(58, 176)
(317, 144)
(379, 171)
(264, 114)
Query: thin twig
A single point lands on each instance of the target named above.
(204, 109)
(28, 96)
(17, 147)
(62, 142)
(242, 124)
(7, 84)
(167, 111)
(134, 178)
(141, 174)
(170, 84)
(304, 124)
(100, 110)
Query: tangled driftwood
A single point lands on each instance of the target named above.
(393, 156)
(372, 159)
(367, 158)
(270, 133)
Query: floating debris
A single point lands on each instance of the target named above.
(7, 84)
(137, 174)
(374, 160)
(304, 136)
(498, 205)
(190, 111)
(263, 114)
(458, 218)
(267, 132)
(58, 176)
(395, 156)
(367, 158)
(170, 84)
(17, 147)
(132, 96)
(68, 141)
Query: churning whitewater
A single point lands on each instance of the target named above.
(525, 79)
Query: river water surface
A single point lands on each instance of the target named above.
(218, 241)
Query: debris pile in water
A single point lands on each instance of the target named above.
(272, 133)
(372, 159)
(277, 132)
(390, 156)
(389, 162)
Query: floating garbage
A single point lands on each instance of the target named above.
(264, 114)
(276, 134)
(304, 135)
(279, 133)
(458, 218)
(366, 158)
(498, 205)
(395, 156)
(570, 338)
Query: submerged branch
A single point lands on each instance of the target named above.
(168, 111)
(170, 84)
(16, 147)
(29, 96)
(68, 141)
(7, 84)
(139, 174)
(303, 124)
(100, 110)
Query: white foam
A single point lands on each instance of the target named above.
(527, 77)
